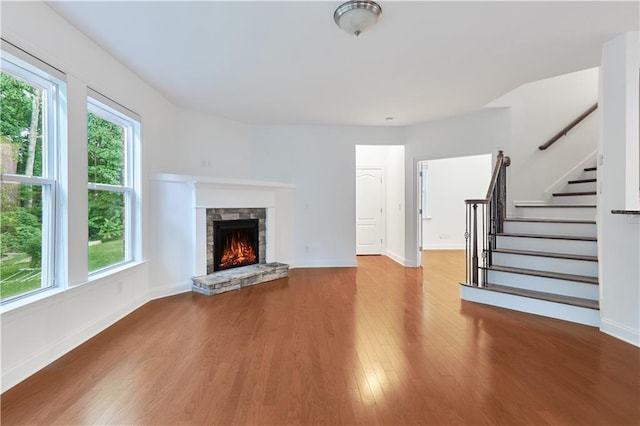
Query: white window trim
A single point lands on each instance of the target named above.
(24, 67)
(109, 110)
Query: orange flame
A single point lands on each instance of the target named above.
(237, 251)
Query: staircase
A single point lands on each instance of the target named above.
(544, 260)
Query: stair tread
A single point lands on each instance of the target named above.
(547, 254)
(556, 205)
(590, 169)
(544, 274)
(545, 220)
(573, 194)
(551, 237)
(540, 295)
(583, 181)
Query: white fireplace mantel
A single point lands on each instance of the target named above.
(208, 192)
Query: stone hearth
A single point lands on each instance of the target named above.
(234, 279)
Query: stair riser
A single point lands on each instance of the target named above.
(588, 213)
(549, 264)
(533, 306)
(546, 285)
(546, 228)
(579, 187)
(588, 248)
(575, 199)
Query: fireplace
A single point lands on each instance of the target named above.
(235, 237)
(235, 244)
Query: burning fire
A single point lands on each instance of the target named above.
(237, 251)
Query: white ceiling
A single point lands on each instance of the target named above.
(288, 63)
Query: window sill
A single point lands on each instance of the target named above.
(27, 300)
(53, 291)
(101, 274)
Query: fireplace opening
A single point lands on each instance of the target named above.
(235, 243)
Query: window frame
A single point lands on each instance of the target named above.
(51, 81)
(108, 110)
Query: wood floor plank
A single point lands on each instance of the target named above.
(376, 345)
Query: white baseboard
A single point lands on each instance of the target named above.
(444, 246)
(397, 258)
(44, 357)
(169, 290)
(326, 263)
(620, 331)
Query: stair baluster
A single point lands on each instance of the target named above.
(492, 212)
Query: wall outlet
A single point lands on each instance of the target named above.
(444, 236)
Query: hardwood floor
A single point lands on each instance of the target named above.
(380, 344)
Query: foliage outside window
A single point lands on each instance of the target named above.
(111, 193)
(28, 139)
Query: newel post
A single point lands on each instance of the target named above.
(474, 243)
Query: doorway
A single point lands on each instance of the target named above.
(443, 185)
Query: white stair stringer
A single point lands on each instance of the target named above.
(577, 314)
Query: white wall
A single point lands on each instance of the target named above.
(539, 110)
(204, 145)
(391, 159)
(451, 181)
(36, 334)
(478, 133)
(618, 235)
(320, 162)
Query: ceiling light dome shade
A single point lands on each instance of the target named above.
(356, 16)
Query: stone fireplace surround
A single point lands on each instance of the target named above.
(215, 214)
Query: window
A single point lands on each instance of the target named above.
(29, 134)
(111, 141)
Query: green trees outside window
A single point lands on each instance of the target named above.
(22, 197)
(109, 135)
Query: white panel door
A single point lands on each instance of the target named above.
(369, 214)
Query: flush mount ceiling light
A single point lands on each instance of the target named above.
(356, 16)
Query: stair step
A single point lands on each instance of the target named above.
(547, 254)
(571, 206)
(557, 210)
(516, 241)
(545, 274)
(590, 169)
(533, 303)
(582, 181)
(573, 194)
(550, 297)
(551, 237)
(547, 220)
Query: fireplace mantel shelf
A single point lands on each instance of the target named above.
(169, 177)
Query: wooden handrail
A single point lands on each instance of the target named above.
(501, 160)
(570, 126)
